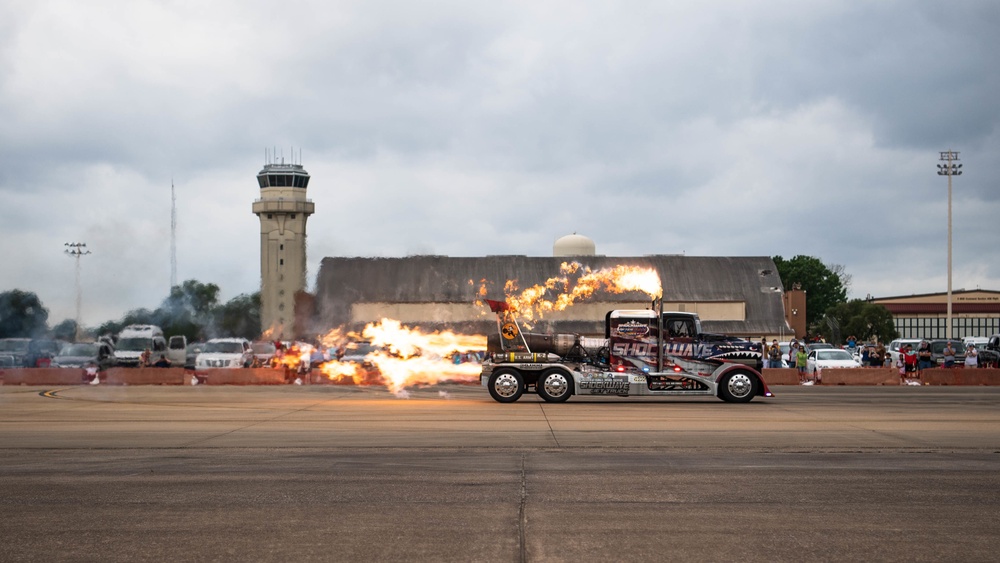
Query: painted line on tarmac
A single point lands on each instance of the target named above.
(51, 394)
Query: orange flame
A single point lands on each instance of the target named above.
(570, 287)
(406, 356)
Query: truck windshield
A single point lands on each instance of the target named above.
(134, 344)
(82, 349)
(223, 348)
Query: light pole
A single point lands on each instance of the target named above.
(949, 169)
(76, 250)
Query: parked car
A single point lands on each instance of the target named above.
(830, 358)
(41, 351)
(191, 354)
(989, 353)
(225, 353)
(937, 351)
(15, 349)
(263, 351)
(80, 354)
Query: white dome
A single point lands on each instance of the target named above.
(574, 245)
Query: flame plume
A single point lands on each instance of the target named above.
(576, 283)
(407, 356)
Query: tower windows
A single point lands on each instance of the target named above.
(293, 216)
(281, 262)
(281, 247)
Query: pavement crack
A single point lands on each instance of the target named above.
(522, 516)
(552, 432)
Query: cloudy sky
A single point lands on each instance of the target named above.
(709, 128)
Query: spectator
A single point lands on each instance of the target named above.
(949, 355)
(865, 356)
(971, 357)
(774, 355)
(801, 362)
(163, 362)
(874, 358)
(144, 358)
(924, 359)
(910, 364)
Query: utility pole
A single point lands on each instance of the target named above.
(173, 237)
(76, 250)
(949, 169)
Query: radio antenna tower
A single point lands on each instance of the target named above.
(173, 236)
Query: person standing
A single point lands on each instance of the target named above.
(774, 355)
(910, 364)
(971, 357)
(802, 362)
(949, 355)
(924, 359)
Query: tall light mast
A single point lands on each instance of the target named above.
(949, 169)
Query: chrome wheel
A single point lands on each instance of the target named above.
(506, 385)
(554, 385)
(738, 387)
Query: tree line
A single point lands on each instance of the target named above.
(192, 309)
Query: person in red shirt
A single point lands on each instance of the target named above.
(910, 361)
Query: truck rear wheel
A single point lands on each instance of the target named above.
(506, 385)
(738, 387)
(555, 385)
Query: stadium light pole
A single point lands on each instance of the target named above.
(76, 250)
(949, 169)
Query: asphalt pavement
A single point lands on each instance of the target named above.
(335, 473)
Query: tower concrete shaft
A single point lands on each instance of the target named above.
(283, 210)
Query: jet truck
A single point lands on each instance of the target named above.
(644, 352)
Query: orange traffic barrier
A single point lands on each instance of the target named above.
(961, 376)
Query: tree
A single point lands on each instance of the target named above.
(823, 286)
(22, 315)
(867, 321)
(65, 330)
(197, 299)
(240, 316)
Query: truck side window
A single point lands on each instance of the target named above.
(678, 328)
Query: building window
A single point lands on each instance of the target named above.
(281, 262)
(293, 215)
(281, 247)
(270, 216)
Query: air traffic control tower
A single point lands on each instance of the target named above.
(283, 210)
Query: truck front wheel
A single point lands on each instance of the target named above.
(555, 385)
(738, 387)
(506, 385)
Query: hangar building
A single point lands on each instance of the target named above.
(739, 296)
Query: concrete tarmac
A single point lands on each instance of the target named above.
(336, 473)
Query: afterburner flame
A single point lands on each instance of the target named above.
(577, 283)
(404, 356)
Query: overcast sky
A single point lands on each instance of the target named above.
(726, 128)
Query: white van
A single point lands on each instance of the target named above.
(133, 340)
(977, 341)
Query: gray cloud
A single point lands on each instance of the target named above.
(706, 128)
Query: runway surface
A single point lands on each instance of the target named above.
(326, 473)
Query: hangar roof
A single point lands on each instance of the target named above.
(442, 279)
